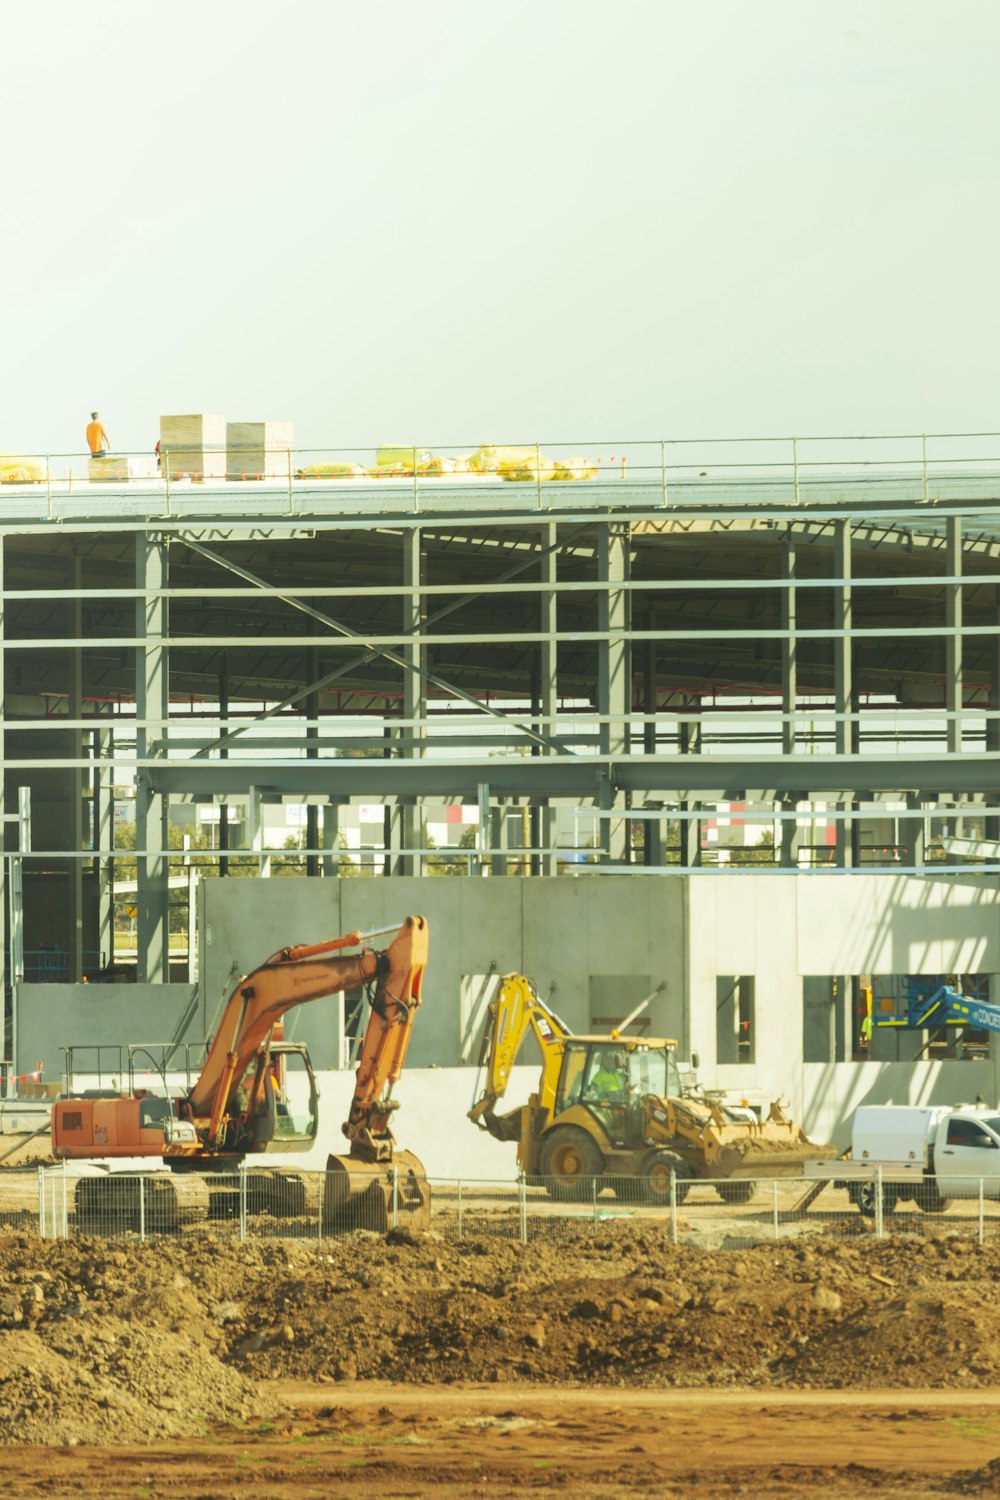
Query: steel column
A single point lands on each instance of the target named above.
(843, 680)
(548, 681)
(414, 686)
(104, 840)
(75, 778)
(953, 673)
(613, 695)
(152, 700)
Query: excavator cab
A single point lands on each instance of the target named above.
(287, 1112)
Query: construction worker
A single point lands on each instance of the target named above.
(609, 1080)
(97, 439)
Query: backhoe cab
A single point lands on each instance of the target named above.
(613, 1111)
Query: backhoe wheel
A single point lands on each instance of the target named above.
(740, 1191)
(570, 1161)
(655, 1174)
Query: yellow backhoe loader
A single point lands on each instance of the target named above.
(614, 1108)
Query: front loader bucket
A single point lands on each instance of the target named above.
(768, 1151)
(376, 1195)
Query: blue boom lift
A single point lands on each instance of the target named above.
(944, 1006)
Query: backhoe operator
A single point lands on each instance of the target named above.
(609, 1080)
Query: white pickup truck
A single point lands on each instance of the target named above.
(927, 1154)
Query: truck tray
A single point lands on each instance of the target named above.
(862, 1171)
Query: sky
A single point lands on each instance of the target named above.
(445, 222)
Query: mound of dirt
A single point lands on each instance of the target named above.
(117, 1341)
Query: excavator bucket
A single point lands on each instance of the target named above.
(376, 1195)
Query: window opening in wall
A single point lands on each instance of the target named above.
(896, 1017)
(735, 1028)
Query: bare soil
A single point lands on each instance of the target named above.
(601, 1357)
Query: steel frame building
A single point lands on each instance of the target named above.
(818, 640)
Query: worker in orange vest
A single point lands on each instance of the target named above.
(97, 439)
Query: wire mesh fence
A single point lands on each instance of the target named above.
(268, 1203)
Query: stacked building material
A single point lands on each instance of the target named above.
(193, 447)
(259, 450)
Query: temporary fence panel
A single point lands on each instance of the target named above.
(264, 1203)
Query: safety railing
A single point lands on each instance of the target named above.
(264, 1203)
(914, 468)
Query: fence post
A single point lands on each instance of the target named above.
(320, 1190)
(879, 1206)
(41, 1203)
(142, 1208)
(243, 1203)
(460, 1208)
(982, 1222)
(395, 1196)
(774, 1206)
(291, 493)
(522, 1192)
(593, 1190)
(48, 485)
(65, 1212)
(923, 459)
(673, 1209)
(795, 467)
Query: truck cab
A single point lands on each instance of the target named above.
(967, 1149)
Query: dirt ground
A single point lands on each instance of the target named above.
(601, 1357)
(389, 1442)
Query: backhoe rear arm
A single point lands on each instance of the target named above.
(516, 1010)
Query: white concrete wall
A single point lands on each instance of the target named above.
(783, 928)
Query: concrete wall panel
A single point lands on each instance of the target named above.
(897, 925)
(53, 1016)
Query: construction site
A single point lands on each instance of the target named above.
(577, 872)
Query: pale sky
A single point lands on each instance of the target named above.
(452, 221)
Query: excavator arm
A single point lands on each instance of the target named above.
(517, 1009)
(383, 1052)
(295, 976)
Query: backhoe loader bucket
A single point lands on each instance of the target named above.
(375, 1195)
(765, 1150)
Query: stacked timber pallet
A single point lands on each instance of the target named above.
(259, 450)
(193, 447)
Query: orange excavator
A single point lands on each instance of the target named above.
(241, 1105)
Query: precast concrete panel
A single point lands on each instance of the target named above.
(244, 921)
(53, 1016)
(885, 924)
(831, 1093)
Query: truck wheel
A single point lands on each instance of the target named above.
(862, 1195)
(930, 1200)
(570, 1161)
(736, 1192)
(656, 1171)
